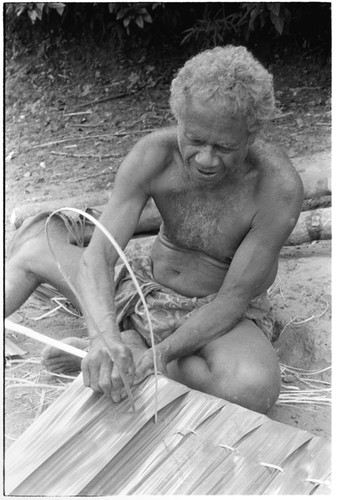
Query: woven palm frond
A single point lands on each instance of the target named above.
(84, 444)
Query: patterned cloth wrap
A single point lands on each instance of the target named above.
(168, 309)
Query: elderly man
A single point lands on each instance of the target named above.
(228, 203)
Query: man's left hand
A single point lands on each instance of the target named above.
(145, 365)
(144, 368)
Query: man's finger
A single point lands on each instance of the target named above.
(91, 368)
(117, 382)
(115, 396)
(105, 382)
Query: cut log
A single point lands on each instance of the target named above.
(315, 172)
(82, 202)
(311, 225)
(312, 203)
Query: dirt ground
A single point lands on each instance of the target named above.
(66, 135)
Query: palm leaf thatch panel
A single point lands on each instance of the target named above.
(85, 444)
(79, 423)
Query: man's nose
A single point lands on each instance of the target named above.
(206, 157)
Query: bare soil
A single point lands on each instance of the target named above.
(66, 134)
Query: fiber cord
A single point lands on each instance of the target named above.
(84, 309)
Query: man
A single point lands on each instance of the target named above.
(228, 203)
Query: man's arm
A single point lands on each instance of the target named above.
(252, 264)
(95, 278)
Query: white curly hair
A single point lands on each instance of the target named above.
(230, 77)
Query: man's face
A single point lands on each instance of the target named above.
(211, 144)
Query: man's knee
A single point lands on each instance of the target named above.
(253, 386)
(30, 229)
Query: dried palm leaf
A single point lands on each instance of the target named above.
(12, 350)
(109, 427)
(85, 444)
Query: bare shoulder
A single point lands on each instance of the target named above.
(161, 136)
(157, 147)
(279, 180)
(147, 160)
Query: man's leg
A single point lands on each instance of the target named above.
(30, 263)
(241, 367)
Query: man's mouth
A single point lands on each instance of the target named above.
(207, 173)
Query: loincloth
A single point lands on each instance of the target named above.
(168, 309)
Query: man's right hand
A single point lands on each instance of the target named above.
(102, 374)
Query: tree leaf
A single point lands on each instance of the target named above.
(126, 21)
(140, 21)
(21, 10)
(56, 5)
(274, 7)
(111, 7)
(147, 17)
(32, 14)
(121, 13)
(255, 12)
(39, 10)
(59, 10)
(278, 23)
(253, 15)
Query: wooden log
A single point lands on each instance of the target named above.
(150, 218)
(82, 202)
(311, 225)
(315, 172)
(312, 203)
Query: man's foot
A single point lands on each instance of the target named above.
(57, 361)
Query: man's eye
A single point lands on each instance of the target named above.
(196, 142)
(223, 149)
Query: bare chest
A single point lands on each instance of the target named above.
(212, 224)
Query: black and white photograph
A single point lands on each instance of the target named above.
(167, 248)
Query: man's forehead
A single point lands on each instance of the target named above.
(212, 112)
(218, 130)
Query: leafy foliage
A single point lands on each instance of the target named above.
(131, 13)
(34, 10)
(213, 30)
(127, 12)
(195, 26)
(276, 14)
